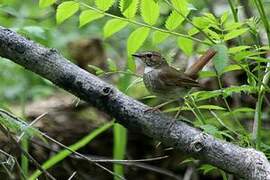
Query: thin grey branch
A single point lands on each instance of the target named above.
(48, 63)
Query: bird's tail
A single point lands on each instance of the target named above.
(197, 66)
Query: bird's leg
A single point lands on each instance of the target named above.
(181, 104)
(156, 108)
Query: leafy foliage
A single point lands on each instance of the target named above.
(88, 16)
(135, 41)
(45, 3)
(66, 10)
(149, 15)
(130, 11)
(104, 5)
(221, 59)
(113, 26)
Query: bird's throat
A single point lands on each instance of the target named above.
(148, 69)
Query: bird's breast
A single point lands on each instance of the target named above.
(156, 86)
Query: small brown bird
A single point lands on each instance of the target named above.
(167, 82)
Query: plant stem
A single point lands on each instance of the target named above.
(227, 104)
(190, 21)
(234, 12)
(257, 125)
(146, 25)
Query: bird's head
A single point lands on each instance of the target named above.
(151, 58)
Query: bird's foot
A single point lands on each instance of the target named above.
(157, 108)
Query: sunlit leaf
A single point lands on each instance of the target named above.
(131, 10)
(159, 37)
(65, 10)
(113, 26)
(186, 45)
(212, 34)
(224, 17)
(88, 16)
(200, 22)
(45, 3)
(181, 6)
(174, 20)
(149, 11)
(192, 31)
(232, 67)
(233, 25)
(205, 74)
(126, 4)
(135, 41)
(104, 5)
(234, 33)
(238, 49)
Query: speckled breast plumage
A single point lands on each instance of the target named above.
(158, 88)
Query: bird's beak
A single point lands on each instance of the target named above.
(137, 55)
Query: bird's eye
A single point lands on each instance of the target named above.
(149, 55)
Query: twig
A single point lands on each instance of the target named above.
(7, 133)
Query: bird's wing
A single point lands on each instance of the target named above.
(173, 77)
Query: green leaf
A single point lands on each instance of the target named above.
(112, 65)
(113, 26)
(224, 17)
(233, 25)
(243, 109)
(246, 54)
(234, 33)
(186, 45)
(203, 95)
(207, 168)
(149, 11)
(134, 82)
(88, 16)
(211, 107)
(181, 6)
(134, 42)
(34, 32)
(237, 49)
(131, 10)
(45, 3)
(136, 39)
(205, 74)
(192, 31)
(232, 67)
(212, 34)
(211, 18)
(97, 70)
(173, 21)
(221, 59)
(74, 147)
(126, 4)
(210, 129)
(200, 22)
(159, 37)
(65, 10)
(104, 5)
